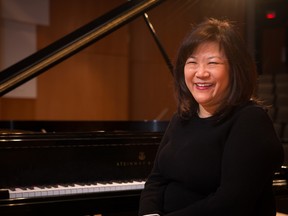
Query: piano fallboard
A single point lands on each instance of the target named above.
(66, 158)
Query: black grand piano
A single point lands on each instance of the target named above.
(80, 167)
(75, 167)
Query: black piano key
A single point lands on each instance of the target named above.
(64, 185)
(82, 184)
(49, 186)
(23, 188)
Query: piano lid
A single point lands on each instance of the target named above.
(72, 43)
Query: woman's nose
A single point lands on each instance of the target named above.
(202, 72)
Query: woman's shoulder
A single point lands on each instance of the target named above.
(252, 113)
(252, 108)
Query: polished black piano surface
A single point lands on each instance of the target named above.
(51, 168)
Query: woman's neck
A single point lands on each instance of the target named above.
(204, 112)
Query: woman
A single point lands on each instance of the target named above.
(220, 150)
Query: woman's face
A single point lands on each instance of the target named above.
(206, 74)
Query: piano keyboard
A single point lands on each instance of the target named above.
(74, 189)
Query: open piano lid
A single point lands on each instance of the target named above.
(72, 43)
(65, 152)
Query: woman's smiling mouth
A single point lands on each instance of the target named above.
(203, 86)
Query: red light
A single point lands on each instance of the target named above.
(271, 15)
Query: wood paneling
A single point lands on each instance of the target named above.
(19, 109)
(93, 84)
(87, 86)
(121, 77)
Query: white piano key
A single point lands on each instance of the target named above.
(44, 193)
(75, 189)
(38, 191)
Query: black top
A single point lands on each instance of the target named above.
(207, 168)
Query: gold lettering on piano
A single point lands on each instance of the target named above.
(141, 161)
(141, 156)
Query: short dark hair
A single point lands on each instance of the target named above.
(242, 67)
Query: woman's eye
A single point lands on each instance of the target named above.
(191, 62)
(213, 63)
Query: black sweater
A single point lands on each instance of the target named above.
(207, 168)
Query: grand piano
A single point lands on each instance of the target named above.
(80, 167)
(75, 167)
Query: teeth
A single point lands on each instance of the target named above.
(203, 84)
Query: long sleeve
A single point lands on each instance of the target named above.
(251, 155)
(152, 196)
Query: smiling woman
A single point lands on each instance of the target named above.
(218, 38)
(207, 77)
(220, 150)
